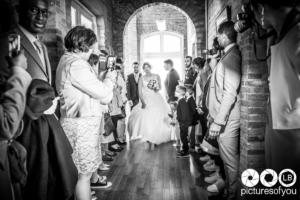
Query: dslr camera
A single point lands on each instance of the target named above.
(215, 50)
(245, 19)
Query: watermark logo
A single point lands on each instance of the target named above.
(269, 178)
(250, 178)
(287, 178)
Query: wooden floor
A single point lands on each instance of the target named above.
(140, 174)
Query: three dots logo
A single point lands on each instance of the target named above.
(250, 178)
(269, 178)
(287, 178)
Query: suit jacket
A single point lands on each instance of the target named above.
(184, 114)
(223, 95)
(132, 88)
(192, 105)
(35, 66)
(170, 84)
(190, 76)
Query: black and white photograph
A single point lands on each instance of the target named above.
(149, 100)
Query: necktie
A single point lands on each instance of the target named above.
(38, 46)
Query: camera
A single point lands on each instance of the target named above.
(215, 50)
(245, 19)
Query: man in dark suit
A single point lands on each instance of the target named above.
(190, 73)
(171, 81)
(33, 16)
(224, 107)
(132, 85)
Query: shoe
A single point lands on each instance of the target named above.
(121, 143)
(113, 149)
(212, 178)
(103, 168)
(111, 153)
(212, 168)
(101, 183)
(107, 158)
(208, 163)
(105, 165)
(217, 187)
(204, 158)
(183, 154)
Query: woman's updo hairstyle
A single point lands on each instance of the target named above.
(80, 39)
(147, 64)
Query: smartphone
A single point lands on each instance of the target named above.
(14, 44)
(111, 61)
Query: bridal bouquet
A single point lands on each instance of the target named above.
(153, 85)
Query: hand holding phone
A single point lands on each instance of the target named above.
(14, 45)
(18, 60)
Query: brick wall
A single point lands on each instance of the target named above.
(59, 23)
(254, 89)
(175, 21)
(123, 10)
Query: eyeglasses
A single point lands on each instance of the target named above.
(36, 11)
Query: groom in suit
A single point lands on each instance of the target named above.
(171, 81)
(132, 85)
(33, 15)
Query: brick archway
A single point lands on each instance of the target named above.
(124, 10)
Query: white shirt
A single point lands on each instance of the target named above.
(229, 47)
(136, 76)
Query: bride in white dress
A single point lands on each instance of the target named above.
(149, 119)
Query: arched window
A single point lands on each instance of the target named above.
(158, 46)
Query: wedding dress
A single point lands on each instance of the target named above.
(151, 123)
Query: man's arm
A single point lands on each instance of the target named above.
(232, 80)
(13, 102)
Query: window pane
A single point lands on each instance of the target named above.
(171, 43)
(152, 44)
(86, 22)
(73, 17)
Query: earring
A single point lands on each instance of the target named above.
(262, 19)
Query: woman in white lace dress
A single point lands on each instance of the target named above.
(150, 119)
(81, 93)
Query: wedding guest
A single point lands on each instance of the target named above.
(282, 137)
(81, 93)
(190, 73)
(175, 124)
(171, 81)
(33, 15)
(198, 65)
(190, 99)
(117, 106)
(51, 170)
(185, 118)
(132, 85)
(224, 107)
(14, 82)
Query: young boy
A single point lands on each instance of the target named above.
(193, 109)
(185, 118)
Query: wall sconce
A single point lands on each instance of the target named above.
(161, 25)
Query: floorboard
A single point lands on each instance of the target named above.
(140, 174)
